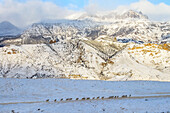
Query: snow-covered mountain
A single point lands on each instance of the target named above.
(128, 24)
(124, 26)
(125, 46)
(110, 16)
(8, 29)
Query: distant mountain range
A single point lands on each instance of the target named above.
(8, 29)
(129, 25)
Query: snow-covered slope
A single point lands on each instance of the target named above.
(59, 30)
(87, 59)
(141, 30)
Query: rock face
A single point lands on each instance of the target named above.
(122, 49)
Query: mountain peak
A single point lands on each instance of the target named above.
(6, 24)
(7, 28)
(134, 14)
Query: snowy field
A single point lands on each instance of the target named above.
(32, 95)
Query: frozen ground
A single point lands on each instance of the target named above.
(30, 95)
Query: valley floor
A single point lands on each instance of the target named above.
(38, 95)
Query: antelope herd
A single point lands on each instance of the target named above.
(93, 98)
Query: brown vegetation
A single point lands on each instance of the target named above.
(8, 52)
(159, 46)
(52, 41)
(74, 76)
(103, 64)
(110, 62)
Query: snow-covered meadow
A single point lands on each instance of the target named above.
(31, 95)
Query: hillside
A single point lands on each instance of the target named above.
(85, 59)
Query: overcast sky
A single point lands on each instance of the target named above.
(25, 12)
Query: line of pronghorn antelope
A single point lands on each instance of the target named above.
(88, 98)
